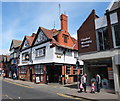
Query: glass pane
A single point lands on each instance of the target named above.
(117, 35)
(100, 40)
(106, 39)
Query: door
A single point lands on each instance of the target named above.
(31, 74)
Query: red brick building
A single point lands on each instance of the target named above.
(98, 46)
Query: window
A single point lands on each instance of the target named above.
(25, 56)
(74, 70)
(23, 70)
(75, 54)
(116, 35)
(67, 69)
(103, 39)
(40, 52)
(65, 38)
(39, 69)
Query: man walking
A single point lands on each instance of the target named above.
(98, 81)
(83, 81)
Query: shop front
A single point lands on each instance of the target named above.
(104, 68)
(34, 73)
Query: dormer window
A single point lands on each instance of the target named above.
(65, 38)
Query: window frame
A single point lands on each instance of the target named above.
(113, 34)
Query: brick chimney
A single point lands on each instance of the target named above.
(64, 22)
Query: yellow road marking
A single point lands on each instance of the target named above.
(60, 94)
(17, 84)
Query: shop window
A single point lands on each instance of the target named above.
(103, 39)
(39, 69)
(116, 32)
(40, 52)
(74, 71)
(67, 69)
(23, 70)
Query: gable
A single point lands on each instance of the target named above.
(25, 44)
(41, 37)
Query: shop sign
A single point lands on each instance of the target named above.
(37, 79)
(85, 42)
(110, 73)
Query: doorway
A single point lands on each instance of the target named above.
(54, 73)
(31, 74)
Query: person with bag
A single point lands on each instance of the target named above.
(83, 81)
(81, 87)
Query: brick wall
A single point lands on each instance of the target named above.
(87, 30)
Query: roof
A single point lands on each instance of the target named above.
(114, 5)
(4, 57)
(30, 39)
(16, 43)
(51, 33)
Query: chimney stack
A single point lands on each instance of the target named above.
(64, 22)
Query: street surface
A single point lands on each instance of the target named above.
(12, 90)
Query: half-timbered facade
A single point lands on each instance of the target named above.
(51, 55)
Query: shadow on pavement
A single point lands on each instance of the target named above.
(74, 86)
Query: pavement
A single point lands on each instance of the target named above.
(71, 91)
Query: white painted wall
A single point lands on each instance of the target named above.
(48, 58)
(68, 58)
(50, 55)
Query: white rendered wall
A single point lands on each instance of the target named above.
(48, 58)
(68, 58)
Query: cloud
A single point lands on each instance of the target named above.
(74, 36)
(4, 52)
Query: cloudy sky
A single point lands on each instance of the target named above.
(23, 18)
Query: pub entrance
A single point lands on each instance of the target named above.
(54, 73)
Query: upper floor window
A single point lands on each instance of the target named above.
(116, 35)
(65, 38)
(40, 52)
(25, 56)
(103, 39)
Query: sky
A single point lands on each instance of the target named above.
(23, 18)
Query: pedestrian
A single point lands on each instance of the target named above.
(98, 81)
(93, 87)
(83, 81)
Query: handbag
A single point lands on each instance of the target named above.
(81, 86)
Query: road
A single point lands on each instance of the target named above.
(11, 90)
